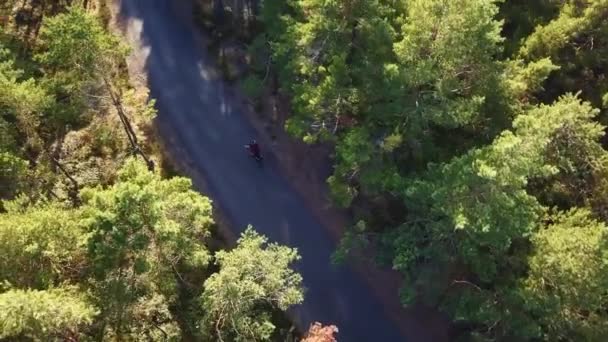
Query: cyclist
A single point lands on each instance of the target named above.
(254, 149)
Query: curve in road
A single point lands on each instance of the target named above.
(212, 130)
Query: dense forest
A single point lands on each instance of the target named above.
(472, 130)
(99, 240)
(475, 130)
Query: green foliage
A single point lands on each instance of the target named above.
(126, 247)
(415, 96)
(253, 87)
(574, 18)
(522, 17)
(568, 277)
(125, 261)
(525, 80)
(40, 104)
(475, 212)
(21, 100)
(575, 150)
(47, 315)
(576, 41)
(143, 230)
(442, 104)
(13, 172)
(453, 67)
(271, 12)
(378, 76)
(75, 53)
(548, 39)
(326, 51)
(342, 194)
(253, 277)
(41, 247)
(75, 42)
(123, 258)
(354, 239)
(143, 108)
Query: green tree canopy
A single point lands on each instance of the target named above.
(567, 281)
(41, 247)
(462, 111)
(55, 314)
(126, 247)
(23, 101)
(143, 230)
(76, 42)
(474, 213)
(76, 53)
(449, 69)
(385, 79)
(253, 277)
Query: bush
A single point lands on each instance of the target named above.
(253, 86)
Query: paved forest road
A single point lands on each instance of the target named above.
(212, 130)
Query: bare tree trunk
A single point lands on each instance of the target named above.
(73, 191)
(127, 125)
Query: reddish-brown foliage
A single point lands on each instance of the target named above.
(319, 333)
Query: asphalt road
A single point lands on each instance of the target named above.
(212, 130)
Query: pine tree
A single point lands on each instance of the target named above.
(254, 278)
